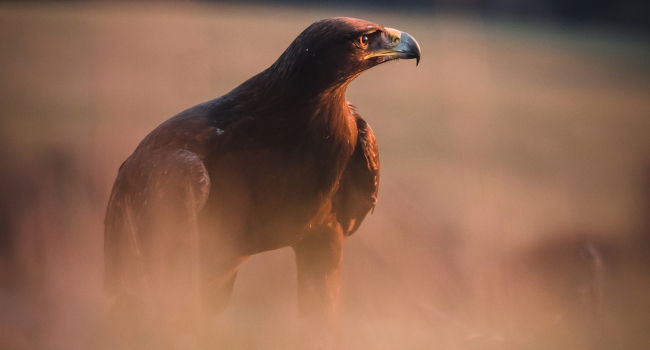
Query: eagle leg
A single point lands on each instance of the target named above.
(217, 285)
(318, 257)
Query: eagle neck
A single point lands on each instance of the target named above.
(331, 119)
(279, 90)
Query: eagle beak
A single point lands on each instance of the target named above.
(401, 45)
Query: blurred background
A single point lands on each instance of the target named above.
(514, 207)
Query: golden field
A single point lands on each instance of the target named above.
(514, 207)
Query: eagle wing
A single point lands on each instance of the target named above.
(151, 220)
(357, 193)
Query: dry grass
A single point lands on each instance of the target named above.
(515, 188)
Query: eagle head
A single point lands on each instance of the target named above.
(333, 51)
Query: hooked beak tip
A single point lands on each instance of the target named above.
(410, 45)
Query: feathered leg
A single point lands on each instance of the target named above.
(318, 257)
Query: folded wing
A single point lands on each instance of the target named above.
(357, 193)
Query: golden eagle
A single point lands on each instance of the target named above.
(281, 160)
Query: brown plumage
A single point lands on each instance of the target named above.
(281, 160)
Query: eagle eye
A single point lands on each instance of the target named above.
(363, 41)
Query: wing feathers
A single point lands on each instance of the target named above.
(357, 193)
(152, 216)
